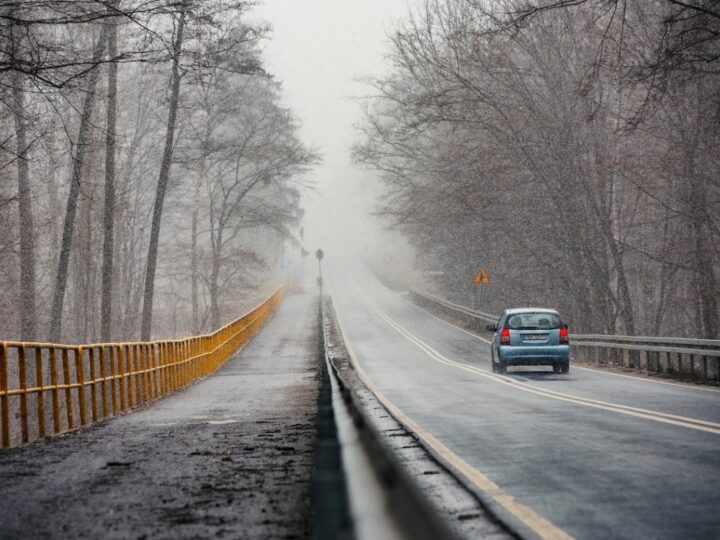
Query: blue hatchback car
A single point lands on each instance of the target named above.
(530, 336)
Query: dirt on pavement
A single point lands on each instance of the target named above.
(229, 457)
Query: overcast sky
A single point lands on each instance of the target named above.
(318, 49)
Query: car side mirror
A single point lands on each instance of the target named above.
(491, 327)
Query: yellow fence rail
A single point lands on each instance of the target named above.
(49, 388)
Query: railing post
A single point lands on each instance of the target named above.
(103, 382)
(55, 391)
(692, 365)
(144, 367)
(40, 383)
(113, 381)
(68, 393)
(137, 376)
(23, 396)
(122, 372)
(93, 384)
(80, 376)
(152, 357)
(172, 358)
(4, 400)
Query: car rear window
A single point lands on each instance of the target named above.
(533, 321)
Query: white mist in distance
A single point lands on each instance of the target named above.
(319, 49)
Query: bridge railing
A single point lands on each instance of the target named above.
(50, 388)
(696, 358)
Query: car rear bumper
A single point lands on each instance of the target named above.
(549, 355)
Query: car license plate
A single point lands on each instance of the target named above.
(535, 337)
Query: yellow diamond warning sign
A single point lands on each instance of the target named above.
(481, 277)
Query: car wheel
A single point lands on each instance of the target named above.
(557, 367)
(502, 368)
(566, 367)
(493, 365)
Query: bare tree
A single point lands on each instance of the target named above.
(503, 140)
(75, 182)
(109, 214)
(27, 228)
(151, 264)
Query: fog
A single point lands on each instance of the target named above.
(321, 50)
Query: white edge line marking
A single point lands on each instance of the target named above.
(538, 524)
(687, 386)
(691, 423)
(575, 366)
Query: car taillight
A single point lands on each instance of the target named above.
(564, 340)
(505, 336)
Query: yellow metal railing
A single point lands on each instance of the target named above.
(87, 383)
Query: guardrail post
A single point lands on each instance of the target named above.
(692, 365)
(174, 349)
(148, 372)
(55, 391)
(140, 378)
(40, 383)
(4, 400)
(68, 393)
(188, 354)
(157, 369)
(103, 383)
(136, 378)
(145, 355)
(113, 380)
(153, 370)
(122, 372)
(93, 384)
(80, 376)
(23, 396)
(164, 348)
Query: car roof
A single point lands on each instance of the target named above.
(512, 311)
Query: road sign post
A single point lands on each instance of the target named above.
(319, 254)
(481, 277)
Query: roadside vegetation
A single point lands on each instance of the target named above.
(571, 148)
(150, 174)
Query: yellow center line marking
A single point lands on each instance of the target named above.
(682, 421)
(538, 524)
(448, 323)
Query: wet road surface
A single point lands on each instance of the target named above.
(588, 454)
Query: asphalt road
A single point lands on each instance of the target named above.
(229, 457)
(587, 455)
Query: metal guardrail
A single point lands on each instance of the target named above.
(415, 516)
(464, 310)
(698, 358)
(91, 382)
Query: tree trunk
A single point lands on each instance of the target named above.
(109, 215)
(214, 278)
(194, 267)
(146, 328)
(71, 208)
(707, 284)
(27, 230)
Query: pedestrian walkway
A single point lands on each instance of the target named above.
(229, 457)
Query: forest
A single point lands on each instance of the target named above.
(151, 176)
(569, 147)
